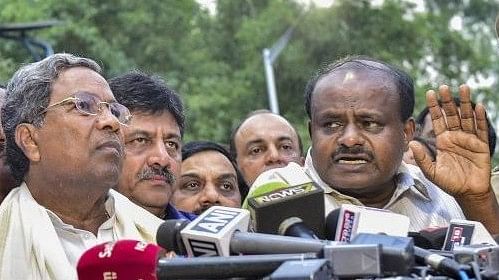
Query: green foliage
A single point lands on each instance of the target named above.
(215, 60)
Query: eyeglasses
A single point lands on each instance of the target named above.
(89, 104)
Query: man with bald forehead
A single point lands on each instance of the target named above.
(263, 141)
(360, 125)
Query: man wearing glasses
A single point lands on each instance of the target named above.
(6, 180)
(65, 147)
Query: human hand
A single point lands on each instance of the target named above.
(462, 166)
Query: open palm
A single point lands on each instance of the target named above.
(462, 165)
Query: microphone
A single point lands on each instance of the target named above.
(276, 179)
(224, 267)
(402, 248)
(397, 251)
(486, 256)
(220, 231)
(169, 238)
(124, 259)
(350, 220)
(295, 226)
(464, 232)
(296, 210)
(430, 238)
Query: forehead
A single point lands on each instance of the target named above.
(265, 127)
(163, 123)
(356, 88)
(78, 79)
(211, 161)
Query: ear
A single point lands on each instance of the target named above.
(409, 129)
(26, 139)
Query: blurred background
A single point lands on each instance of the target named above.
(211, 51)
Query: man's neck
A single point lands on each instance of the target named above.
(377, 198)
(159, 212)
(80, 206)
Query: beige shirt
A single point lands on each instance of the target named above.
(416, 197)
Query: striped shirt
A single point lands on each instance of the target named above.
(415, 196)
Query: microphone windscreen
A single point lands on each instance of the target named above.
(276, 179)
(120, 260)
(435, 236)
(263, 189)
(332, 223)
(169, 238)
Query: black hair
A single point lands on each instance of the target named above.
(402, 80)
(491, 130)
(195, 147)
(232, 141)
(149, 94)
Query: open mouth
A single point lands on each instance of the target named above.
(352, 159)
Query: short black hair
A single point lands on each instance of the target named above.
(195, 147)
(232, 139)
(402, 80)
(492, 132)
(148, 94)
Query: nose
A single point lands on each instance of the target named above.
(210, 195)
(159, 155)
(273, 156)
(106, 120)
(351, 136)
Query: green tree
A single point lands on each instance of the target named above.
(214, 59)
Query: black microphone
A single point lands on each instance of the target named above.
(430, 239)
(256, 266)
(332, 223)
(217, 232)
(297, 210)
(169, 238)
(295, 226)
(402, 254)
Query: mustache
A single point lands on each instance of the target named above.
(341, 150)
(149, 173)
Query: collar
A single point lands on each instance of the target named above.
(409, 178)
(110, 212)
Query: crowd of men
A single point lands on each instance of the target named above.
(88, 161)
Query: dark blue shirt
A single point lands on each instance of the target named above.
(172, 213)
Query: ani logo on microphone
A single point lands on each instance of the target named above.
(215, 221)
(212, 224)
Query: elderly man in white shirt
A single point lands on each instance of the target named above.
(65, 148)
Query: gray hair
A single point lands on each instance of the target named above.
(28, 94)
